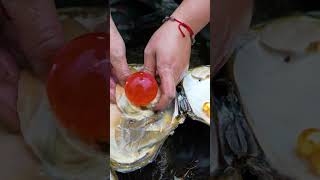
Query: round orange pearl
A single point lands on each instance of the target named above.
(78, 90)
(141, 88)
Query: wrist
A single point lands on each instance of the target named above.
(184, 29)
(196, 16)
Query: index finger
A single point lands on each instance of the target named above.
(120, 69)
(168, 88)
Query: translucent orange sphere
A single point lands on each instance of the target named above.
(141, 88)
(77, 88)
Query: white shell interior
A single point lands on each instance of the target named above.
(196, 85)
(281, 99)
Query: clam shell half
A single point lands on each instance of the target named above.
(195, 96)
(281, 98)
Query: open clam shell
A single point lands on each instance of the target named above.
(280, 96)
(135, 138)
(135, 144)
(60, 157)
(194, 97)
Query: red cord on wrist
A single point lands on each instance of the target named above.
(187, 27)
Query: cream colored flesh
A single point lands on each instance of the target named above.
(281, 100)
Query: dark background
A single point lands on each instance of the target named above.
(72, 3)
(268, 9)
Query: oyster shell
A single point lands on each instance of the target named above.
(196, 86)
(282, 96)
(137, 134)
(113, 176)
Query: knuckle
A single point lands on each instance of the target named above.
(147, 51)
(117, 54)
(122, 75)
(50, 39)
(170, 95)
(165, 66)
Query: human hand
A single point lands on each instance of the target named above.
(118, 54)
(30, 30)
(167, 54)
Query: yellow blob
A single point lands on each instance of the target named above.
(206, 108)
(308, 148)
(314, 162)
(308, 142)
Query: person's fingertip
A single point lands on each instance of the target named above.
(165, 100)
(168, 88)
(123, 76)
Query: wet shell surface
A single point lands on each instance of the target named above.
(137, 133)
(279, 89)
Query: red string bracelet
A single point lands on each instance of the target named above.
(187, 27)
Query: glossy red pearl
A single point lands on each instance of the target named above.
(141, 88)
(77, 88)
